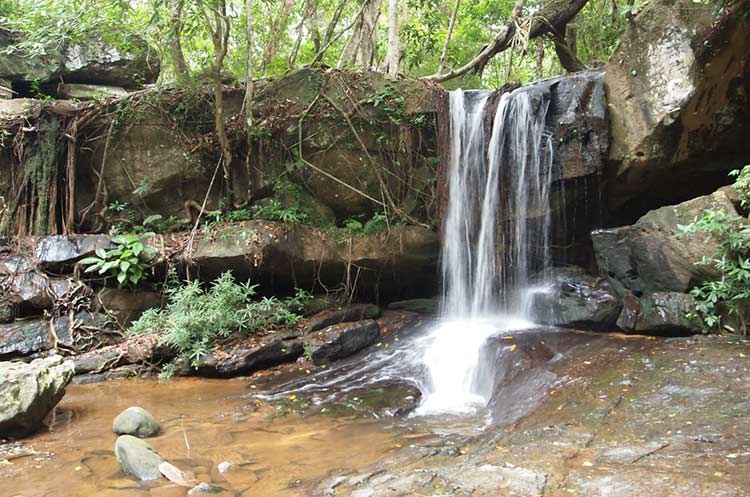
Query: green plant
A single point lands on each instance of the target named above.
(377, 223)
(125, 261)
(732, 231)
(195, 316)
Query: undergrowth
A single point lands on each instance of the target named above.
(728, 296)
(196, 316)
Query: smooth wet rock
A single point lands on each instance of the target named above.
(651, 256)
(244, 361)
(661, 313)
(340, 341)
(28, 392)
(57, 252)
(25, 337)
(577, 300)
(355, 312)
(135, 421)
(137, 458)
(420, 306)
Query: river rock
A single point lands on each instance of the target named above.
(577, 300)
(419, 306)
(340, 341)
(24, 337)
(244, 361)
(7, 310)
(137, 458)
(125, 306)
(651, 256)
(660, 313)
(355, 312)
(79, 91)
(677, 88)
(135, 421)
(28, 392)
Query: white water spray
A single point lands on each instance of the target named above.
(495, 235)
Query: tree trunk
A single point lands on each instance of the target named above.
(393, 55)
(566, 49)
(360, 50)
(446, 43)
(181, 72)
(278, 29)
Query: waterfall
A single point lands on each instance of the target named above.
(496, 237)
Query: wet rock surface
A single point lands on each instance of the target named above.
(652, 255)
(137, 458)
(578, 300)
(28, 392)
(661, 313)
(340, 341)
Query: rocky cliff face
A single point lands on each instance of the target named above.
(678, 91)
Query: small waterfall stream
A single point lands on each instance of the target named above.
(496, 237)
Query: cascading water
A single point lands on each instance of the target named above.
(495, 237)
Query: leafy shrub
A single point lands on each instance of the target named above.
(733, 259)
(195, 317)
(124, 262)
(377, 223)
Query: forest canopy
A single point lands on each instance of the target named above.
(523, 41)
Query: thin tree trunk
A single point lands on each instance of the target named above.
(447, 42)
(566, 49)
(393, 54)
(181, 72)
(539, 58)
(278, 29)
(218, 23)
(247, 102)
(554, 15)
(307, 13)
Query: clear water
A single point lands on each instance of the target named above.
(496, 236)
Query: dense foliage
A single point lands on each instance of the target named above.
(286, 35)
(716, 301)
(196, 316)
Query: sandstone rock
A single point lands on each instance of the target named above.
(137, 458)
(340, 341)
(277, 255)
(239, 362)
(94, 61)
(577, 300)
(677, 89)
(649, 256)
(660, 313)
(16, 66)
(135, 421)
(28, 393)
(58, 251)
(354, 312)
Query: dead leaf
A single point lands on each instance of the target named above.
(176, 475)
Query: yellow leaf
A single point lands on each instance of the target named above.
(292, 397)
(513, 347)
(588, 464)
(77, 468)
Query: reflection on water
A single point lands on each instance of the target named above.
(204, 422)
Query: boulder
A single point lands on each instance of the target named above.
(16, 66)
(97, 62)
(28, 392)
(678, 89)
(26, 337)
(57, 252)
(576, 299)
(340, 341)
(355, 312)
(660, 313)
(244, 361)
(137, 458)
(7, 310)
(125, 306)
(401, 262)
(135, 421)
(650, 256)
